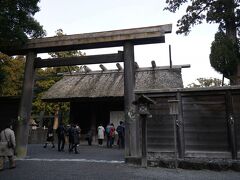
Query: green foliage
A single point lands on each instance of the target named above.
(225, 49)
(17, 22)
(11, 75)
(224, 55)
(11, 80)
(47, 77)
(206, 82)
(223, 12)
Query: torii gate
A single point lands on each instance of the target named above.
(126, 38)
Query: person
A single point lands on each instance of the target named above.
(70, 133)
(76, 139)
(7, 135)
(61, 131)
(50, 137)
(108, 128)
(112, 135)
(67, 135)
(89, 137)
(110, 132)
(101, 131)
(121, 134)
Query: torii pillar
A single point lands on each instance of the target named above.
(22, 130)
(131, 147)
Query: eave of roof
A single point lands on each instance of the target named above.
(111, 83)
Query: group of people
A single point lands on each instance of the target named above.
(72, 132)
(8, 142)
(111, 133)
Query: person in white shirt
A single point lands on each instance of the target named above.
(101, 132)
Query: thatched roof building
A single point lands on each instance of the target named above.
(97, 97)
(110, 83)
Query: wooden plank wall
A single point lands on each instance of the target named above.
(207, 130)
(236, 110)
(160, 127)
(205, 125)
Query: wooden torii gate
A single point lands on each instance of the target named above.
(126, 38)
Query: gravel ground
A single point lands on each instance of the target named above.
(96, 163)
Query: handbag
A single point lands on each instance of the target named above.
(9, 143)
(3, 148)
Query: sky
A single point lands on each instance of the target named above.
(79, 16)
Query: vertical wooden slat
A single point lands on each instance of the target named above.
(231, 124)
(144, 141)
(180, 128)
(22, 129)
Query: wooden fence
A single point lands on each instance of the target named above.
(208, 124)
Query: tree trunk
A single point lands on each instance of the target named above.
(236, 77)
(231, 32)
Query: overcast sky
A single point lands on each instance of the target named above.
(79, 16)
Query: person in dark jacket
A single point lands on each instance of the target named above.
(61, 131)
(50, 137)
(121, 134)
(89, 137)
(76, 138)
(70, 133)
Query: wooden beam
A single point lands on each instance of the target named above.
(153, 64)
(119, 66)
(137, 36)
(86, 69)
(80, 60)
(136, 65)
(103, 67)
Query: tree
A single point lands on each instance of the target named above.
(11, 75)
(206, 82)
(17, 22)
(224, 12)
(47, 77)
(64, 54)
(225, 56)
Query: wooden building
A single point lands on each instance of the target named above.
(98, 96)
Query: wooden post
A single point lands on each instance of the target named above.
(170, 56)
(175, 140)
(22, 129)
(180, 128)
(144, 141)
(129, 97)
(231, 124)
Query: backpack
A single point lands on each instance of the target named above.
(108, 130)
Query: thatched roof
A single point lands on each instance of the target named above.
(96, 84)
